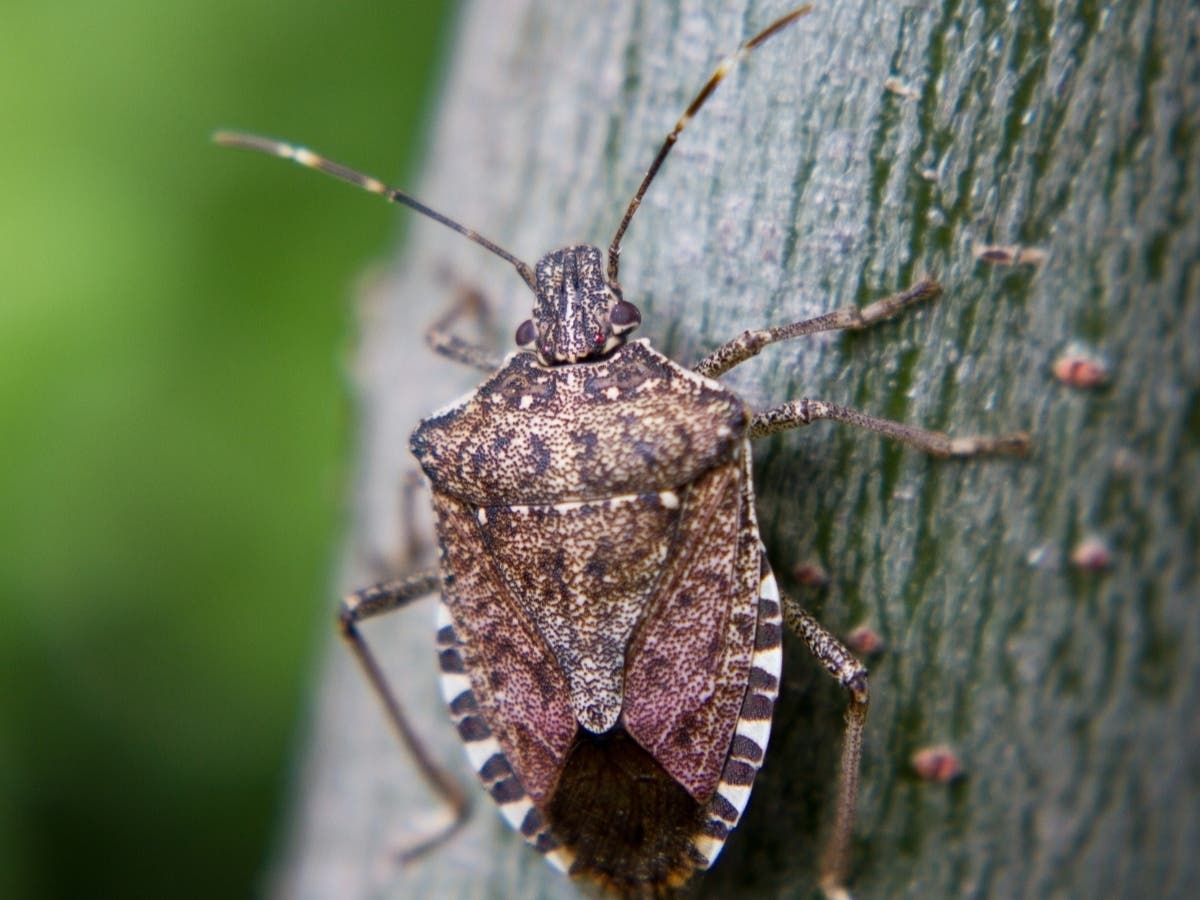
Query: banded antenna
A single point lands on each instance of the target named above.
(726, 66)
(310, 160)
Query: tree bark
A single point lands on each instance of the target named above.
(808, 182)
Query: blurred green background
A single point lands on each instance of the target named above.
(174, 418)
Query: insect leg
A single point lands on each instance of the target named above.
(375, 601)
(414, 546)
(468, 303)
(850, 318)
(842, 665)
(415, 543)
(805, 411)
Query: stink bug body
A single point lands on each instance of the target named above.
(610, 631)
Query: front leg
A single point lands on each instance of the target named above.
(469, 303)
(849, 318)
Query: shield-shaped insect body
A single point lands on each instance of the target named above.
(611, 637)
(610, 630)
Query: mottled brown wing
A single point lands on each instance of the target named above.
(688, 663)
(520, 689)
(581, 573)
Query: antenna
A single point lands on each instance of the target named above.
(727, 64)
(308, 159)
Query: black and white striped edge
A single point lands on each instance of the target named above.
(483, 750)
(746, 752)
(752, 732)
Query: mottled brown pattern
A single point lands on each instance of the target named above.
(582, 575)
(522, 694)
(573, 627)
(690, 660)
(570, 325)
(629, 423)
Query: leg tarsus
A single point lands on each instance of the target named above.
(848, 318)
(852, 674)
(431, 839)
(378, 600)
(804, 412)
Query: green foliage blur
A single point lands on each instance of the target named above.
(174, 416)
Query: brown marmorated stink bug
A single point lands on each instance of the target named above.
(610, 631)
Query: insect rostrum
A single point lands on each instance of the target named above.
(610, 632)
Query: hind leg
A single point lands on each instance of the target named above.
(379, 600)
(852, 675)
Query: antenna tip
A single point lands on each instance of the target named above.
(244, 141)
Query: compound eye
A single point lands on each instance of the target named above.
(526, 334)
(625, 316)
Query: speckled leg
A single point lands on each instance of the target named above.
(805, 411)
(842, 665)
(375, 601)
(850, 318)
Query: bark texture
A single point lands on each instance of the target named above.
(810, 181)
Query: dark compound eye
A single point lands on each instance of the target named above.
(526, 333)
(625, 315)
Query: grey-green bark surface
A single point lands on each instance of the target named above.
(804, 185)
